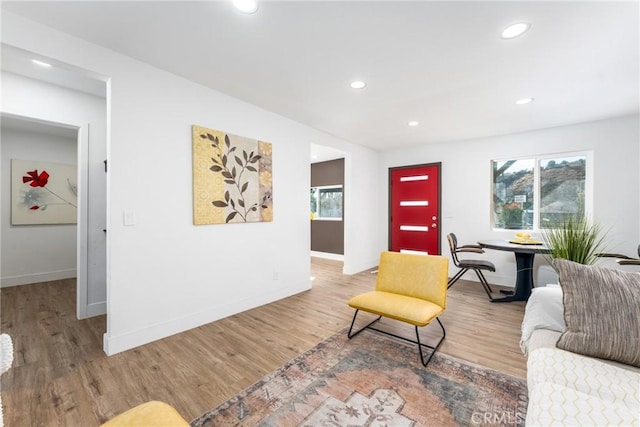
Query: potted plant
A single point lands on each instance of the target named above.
(578, 240)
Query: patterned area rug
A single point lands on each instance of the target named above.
(374, 380)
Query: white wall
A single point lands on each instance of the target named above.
(466, 184)
(22, 96)
(166, 275)
(361, 223)
(34, 253)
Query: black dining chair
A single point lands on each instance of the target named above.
(465, 265)
(622, 259)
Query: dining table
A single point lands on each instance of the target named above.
(524, 253)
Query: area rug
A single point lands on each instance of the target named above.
(374, 380)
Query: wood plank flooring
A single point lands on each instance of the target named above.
(60, 375)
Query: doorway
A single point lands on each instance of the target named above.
(327, 195)
(39, 232)
(65, 96)
(58, 251)
(414, 209)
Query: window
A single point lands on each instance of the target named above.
(539, 192)
(326, 202)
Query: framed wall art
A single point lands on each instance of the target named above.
(232, 178)
(43, 193)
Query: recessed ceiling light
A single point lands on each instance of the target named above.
(413, 123)
(515, 30)
(41, 64)
(358, 85)
(246, 6)
(524, 101)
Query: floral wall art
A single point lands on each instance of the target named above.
(232, 178)
(43, 193)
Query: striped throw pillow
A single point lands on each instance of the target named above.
(602, 312)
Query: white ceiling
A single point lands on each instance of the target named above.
(18, 61)
(321, 153)
(20, 124)
(441, 63)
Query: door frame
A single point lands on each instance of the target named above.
(438, 165)
(82, 149)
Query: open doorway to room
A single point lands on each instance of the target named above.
(327, 190)
(45, 218)
(54, 102)
(39, 201)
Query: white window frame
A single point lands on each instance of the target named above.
(328, 187)
(538, 158)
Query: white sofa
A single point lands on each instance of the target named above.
(568, 389)
(6, 359)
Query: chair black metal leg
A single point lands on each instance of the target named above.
(350, 335)
(417, 341)
(455, 278)
(485, 285)
(433, 349)
(485, 280)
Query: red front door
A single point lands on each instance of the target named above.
(414, 198)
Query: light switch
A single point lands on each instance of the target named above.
(129, 218)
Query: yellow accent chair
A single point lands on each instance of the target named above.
(149, 414)
(409, 288)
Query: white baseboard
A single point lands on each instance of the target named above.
(28, 279)
(354, 269)
(327, 255)
(96, 309)
(117, 343)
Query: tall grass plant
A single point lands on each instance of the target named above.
(578, 240)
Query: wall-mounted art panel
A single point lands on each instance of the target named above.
(232, 178)
(43, 193)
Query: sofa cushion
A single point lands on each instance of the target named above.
(542, 338)
(543, 312)
(572, 390)
(601, 309)
(557, 405)
(584, 374)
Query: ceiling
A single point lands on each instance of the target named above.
(321, 153)
(19, 61)
(19, 124)
(443, 64)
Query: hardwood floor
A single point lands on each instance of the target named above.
(60, 375)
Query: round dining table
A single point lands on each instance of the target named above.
(524, 254)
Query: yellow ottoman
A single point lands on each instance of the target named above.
(150, 414)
